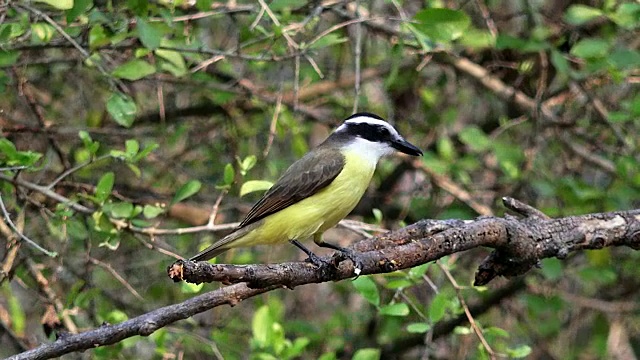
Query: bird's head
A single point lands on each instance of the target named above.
(370, 135)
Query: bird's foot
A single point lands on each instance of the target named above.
(325, 268)
(317, 260)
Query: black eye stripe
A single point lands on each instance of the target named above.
(371, 132)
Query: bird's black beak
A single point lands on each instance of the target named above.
(406, 147)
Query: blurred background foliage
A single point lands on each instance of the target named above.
(125, 120)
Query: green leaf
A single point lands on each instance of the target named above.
(462, 330)
(475, 138)
(116, 316)
(368, 289)
(625, 59)
(261, 326)
(398, 309)
(525, 45)
(580, 14)
(591, 48)
(328, 356)
(496, 332)
(79, 6)
(134, 70)
(119, 210)
(560, 62)
(104, 187)
(254, 185)
(150, 36)
(188, 288)
(247, 164)
(552, 269)
(10, 156)
(186, 190)
(296, 349)
(151, 211)
(15, 311)
(398, 284)
(174, 60)
(377, 214)
(367, 354)
(418, 271)
(328, 40)
(145, 152)
(42, 33)
(418, 328)
(477, 39)
(8, 58)
(58, 4)
(229, 174)
(98, 37)
(627, 15)
(134, 169)
(519, 352)
(76, 229)
(131, 148)
(442, 25)
(122, 108)
(438, 307)
(85, 137)
(204, 5)
(445, 148)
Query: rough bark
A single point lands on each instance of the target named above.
(519, 243)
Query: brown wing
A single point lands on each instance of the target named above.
(302, 179)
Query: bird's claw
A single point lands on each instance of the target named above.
(325, 268)
(317, 261)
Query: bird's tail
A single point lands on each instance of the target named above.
(208, 253)
(221, 245)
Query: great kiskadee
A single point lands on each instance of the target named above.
(318, 190)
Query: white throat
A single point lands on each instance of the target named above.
(368, 151)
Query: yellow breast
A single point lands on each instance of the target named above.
(319, 212)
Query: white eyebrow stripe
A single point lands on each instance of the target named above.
(372, 121)
(368, 120)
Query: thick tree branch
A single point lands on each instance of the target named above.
(519, 244)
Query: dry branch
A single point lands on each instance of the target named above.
(518, 243)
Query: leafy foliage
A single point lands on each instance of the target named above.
(125, 122)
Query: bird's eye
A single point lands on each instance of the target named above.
(383, 131)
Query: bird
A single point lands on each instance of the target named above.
(318, 190)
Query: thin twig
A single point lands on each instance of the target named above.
(188, 230)
(357, 52)
(273, 125)
(205, 14)
(12, 246)
(74, 169)
(49, 193)
(275, 20)
(334, 28)
(452, 188)
(463, 303)
(22, 236)
(315, 66)
(486, 15)
(118, 277)
(257, 20)
(216, 207)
